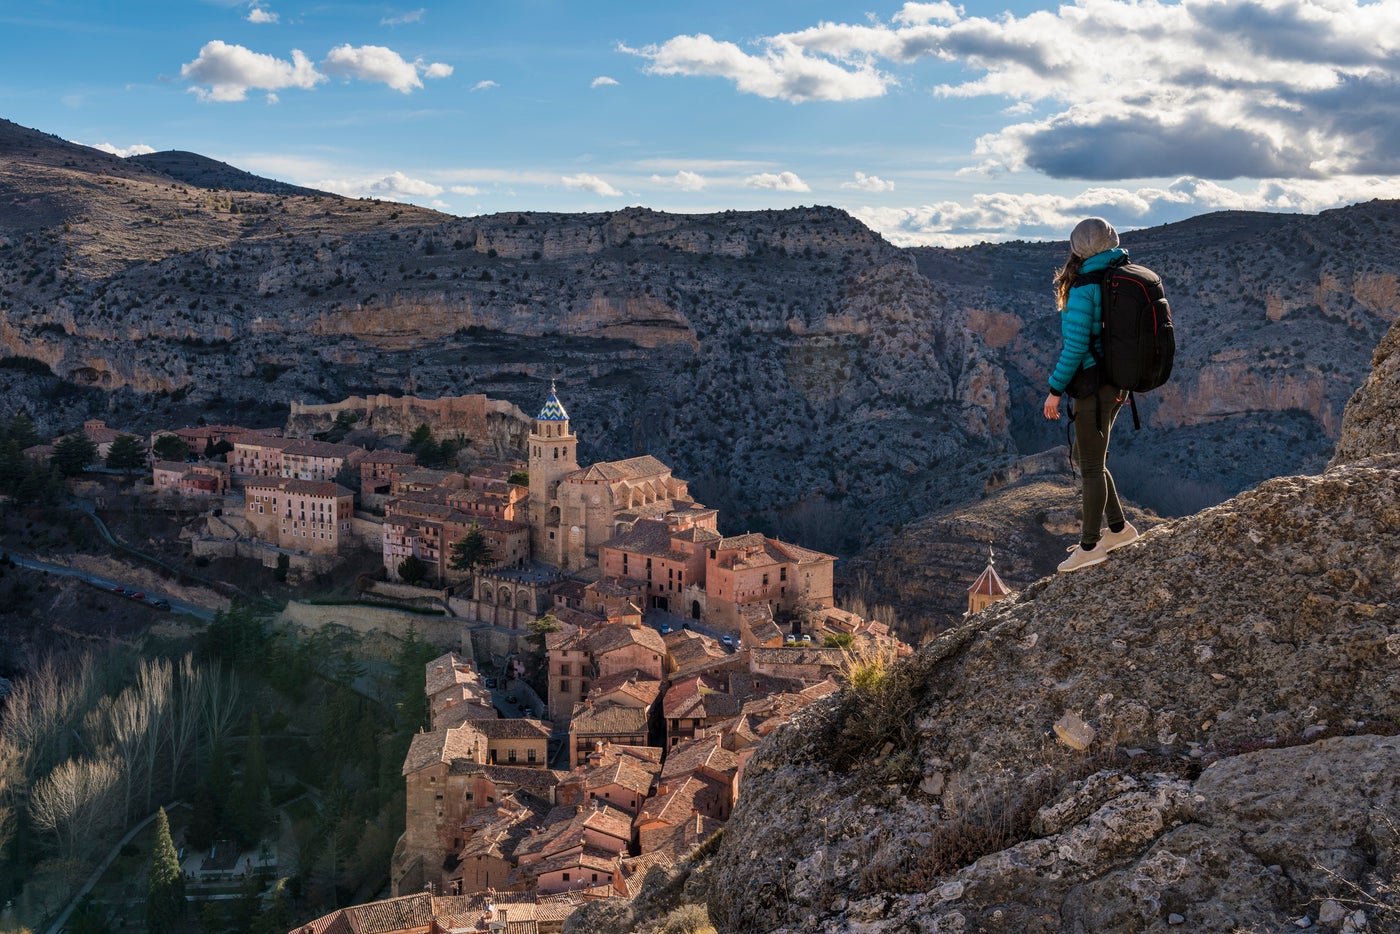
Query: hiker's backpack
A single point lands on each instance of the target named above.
(1138, 344)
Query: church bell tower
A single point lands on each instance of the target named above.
(553, 454)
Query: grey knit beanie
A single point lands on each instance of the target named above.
(1091, 236)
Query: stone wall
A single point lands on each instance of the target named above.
(439, 630)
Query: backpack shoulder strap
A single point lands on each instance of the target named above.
(1088, 278)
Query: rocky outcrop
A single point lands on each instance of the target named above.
(1270, 620)
(1372, 423)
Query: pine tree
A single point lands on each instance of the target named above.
(165, 885)
(71, 455)
(171, 448)
(127, 453)
(412, 569)
(471, 551)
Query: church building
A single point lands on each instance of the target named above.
(573, 510)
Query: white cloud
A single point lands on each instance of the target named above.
(259, 14)
(593, 183)
(140, 149)
(782, 70)
(918, 14)
(1210, 88)
(396, 186)
(603, 81)
(684, 180)
(1013, 215)
(378, 63)
(484, 85)
(782, 181)
(865, 182)
(224, 72)
(413, 16)
(468, 190)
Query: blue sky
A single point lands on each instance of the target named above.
(932, 122)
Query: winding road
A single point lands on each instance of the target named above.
(176, 605)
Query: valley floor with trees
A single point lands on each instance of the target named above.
(281, 744)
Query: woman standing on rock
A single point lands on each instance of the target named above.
(1093, 246)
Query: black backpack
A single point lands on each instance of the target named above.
(1138, 344)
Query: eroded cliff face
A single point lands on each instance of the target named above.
(1372, 423)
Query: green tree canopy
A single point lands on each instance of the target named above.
(519, 478)
(170, 448)
(412, 569)
(22, 431)
(127, 453)
(165, 884)
(471, 551)
(72, 454)
(539, 628)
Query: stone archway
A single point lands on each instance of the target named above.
(695, 609)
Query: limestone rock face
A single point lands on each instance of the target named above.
(1372, 422)
(1270, 620)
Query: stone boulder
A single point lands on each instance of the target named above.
(1272, 620)
(1371, 424)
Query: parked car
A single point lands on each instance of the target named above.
(137, 595)
(806, 639)
(490, 682)
(789, 639)
(120, 591)
(160, 603)
(665, 630)
(728, 641)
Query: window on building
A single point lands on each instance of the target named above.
(765, 580)
(563, 687)
(530, 755)
(510, 756)
(566, 877)
(564, 669)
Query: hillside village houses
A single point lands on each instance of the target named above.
(648, 730)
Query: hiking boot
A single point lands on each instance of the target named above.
(1083, 559)
(1112, 539)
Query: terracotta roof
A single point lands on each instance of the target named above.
(683, 797)
(635, 683)
(798, 655)
(510, 729)
(439, 746)
(623, 771)
(608, 720)
(393, 914)
(322, 488)
(689, 757)
(697, 534)
(567, 639)
(446, 671)
(679, 840)
(308, 448)
(537, 781)
(646, 537)
(989, 582)
(611, 638)
(635, 869)
(633, 468)
(564, 826)
(389, 457)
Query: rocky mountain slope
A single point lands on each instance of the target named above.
(1198, 735)
(806, 376)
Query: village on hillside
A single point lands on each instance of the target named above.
(618, 658)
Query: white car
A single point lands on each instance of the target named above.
(728, 641)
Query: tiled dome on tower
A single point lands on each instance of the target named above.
(553, 410)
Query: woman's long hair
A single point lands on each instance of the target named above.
(1064, 278)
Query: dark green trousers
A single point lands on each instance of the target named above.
(1091, 435)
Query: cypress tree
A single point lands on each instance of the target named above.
(165, 886)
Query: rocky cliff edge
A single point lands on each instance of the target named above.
(1197, 735)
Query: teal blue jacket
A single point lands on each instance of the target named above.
(1082, 321)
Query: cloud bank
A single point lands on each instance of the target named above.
(1132, 89)
(225, 72)
(591, 183)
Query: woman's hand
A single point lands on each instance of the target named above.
(1052, 407)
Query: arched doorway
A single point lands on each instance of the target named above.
(695, 609)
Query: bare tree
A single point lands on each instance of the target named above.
(154, 684)
(220, 703)
(126, 725)
(73, 801)
(38, 722)
(186, 700)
